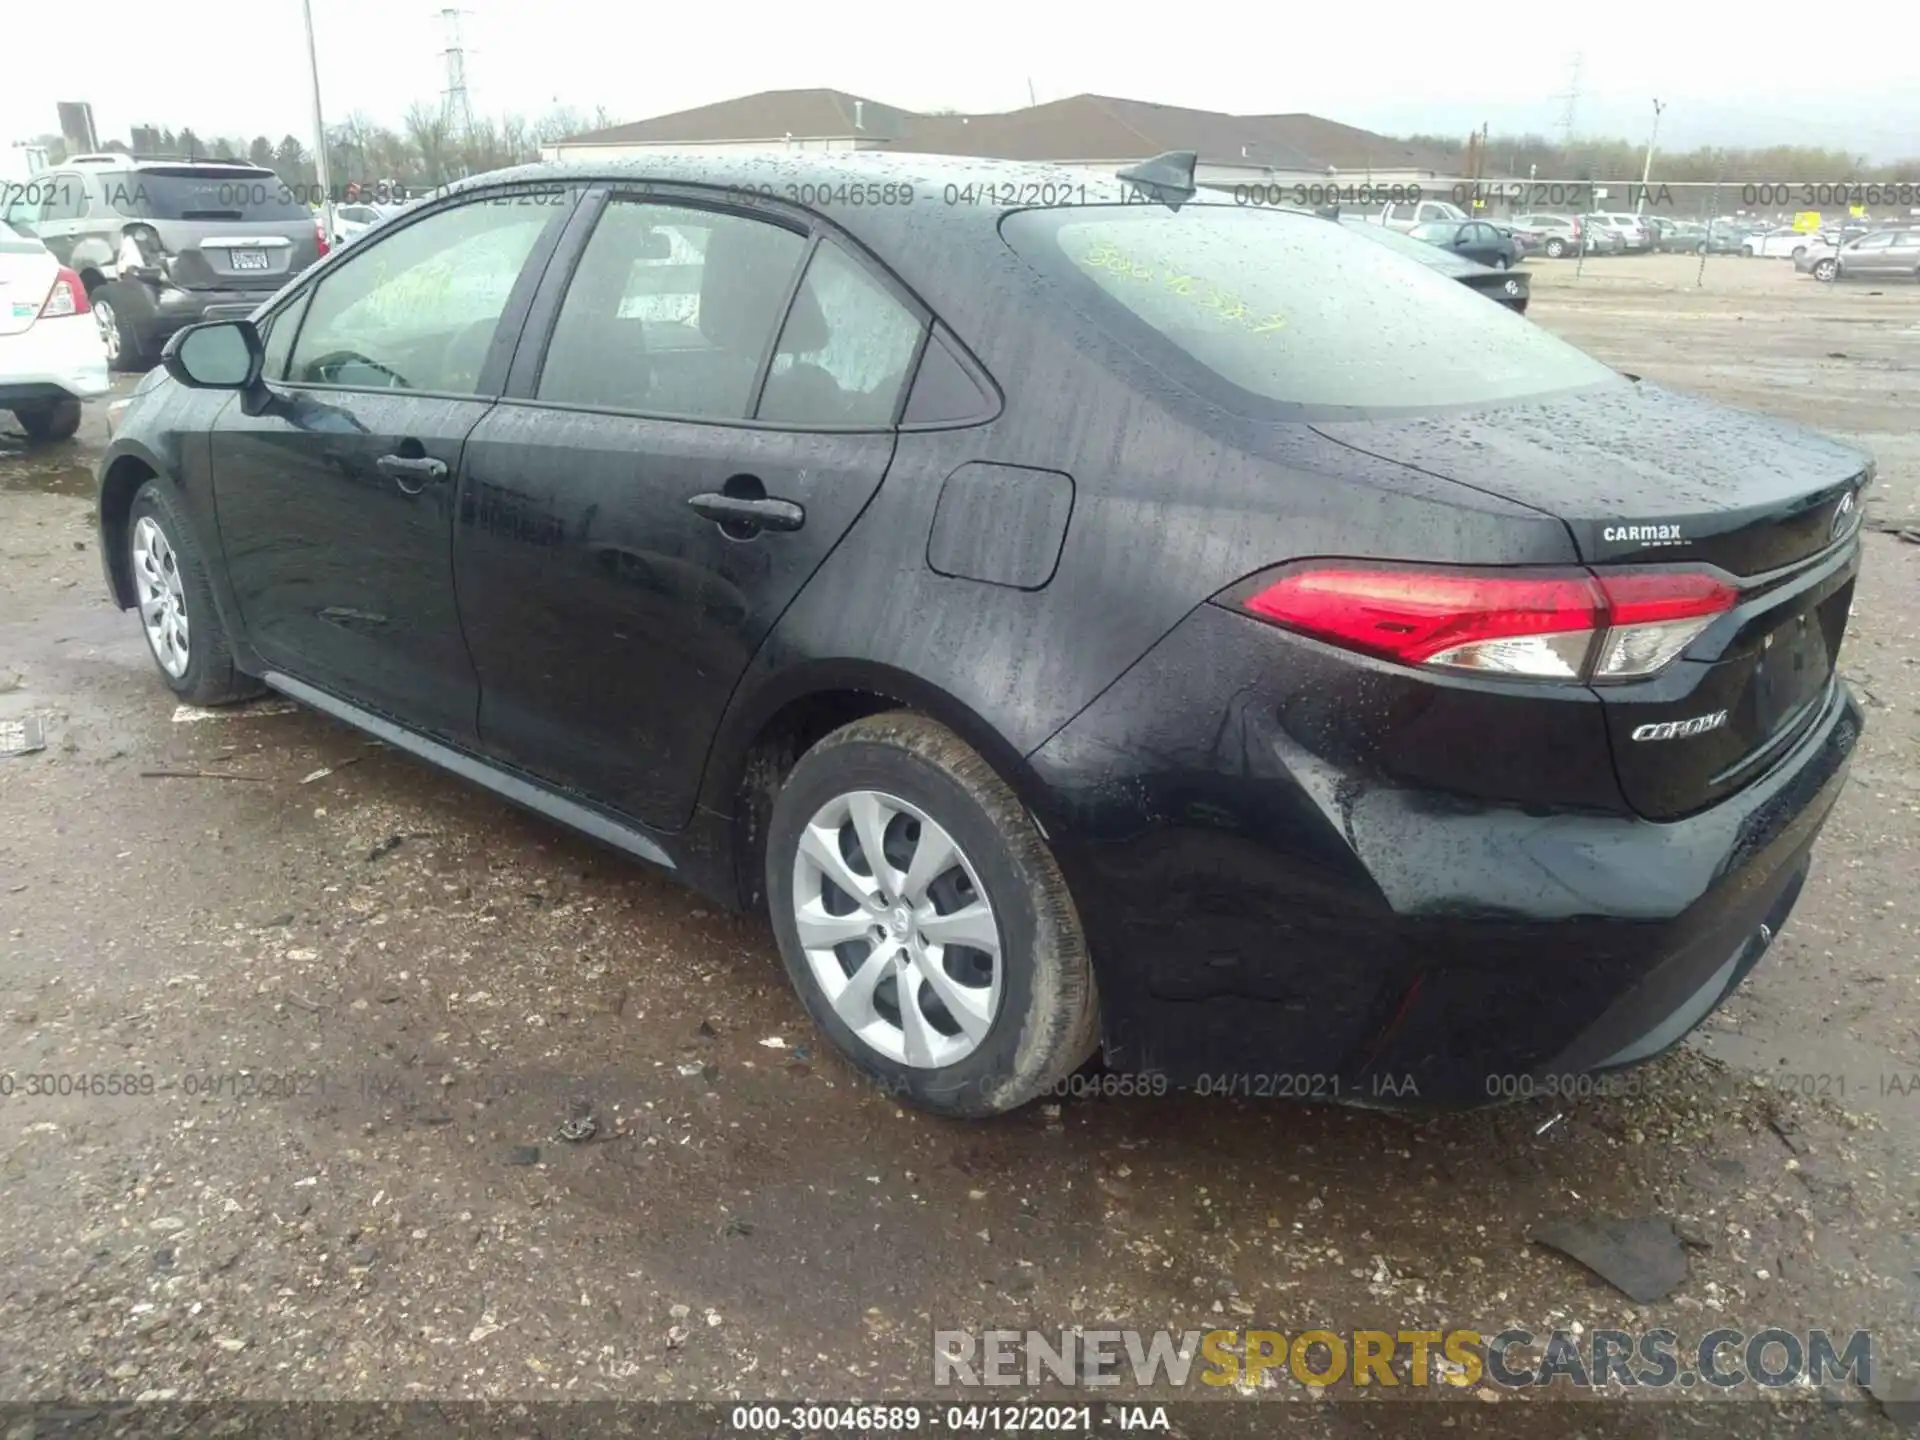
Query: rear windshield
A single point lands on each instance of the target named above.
(184, 192)
(1289, 316)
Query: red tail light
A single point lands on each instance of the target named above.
(67, 297)
(1560, 625)
(320, 234)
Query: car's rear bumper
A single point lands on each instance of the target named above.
(52, 359)
(174, 308)
(1281, 900)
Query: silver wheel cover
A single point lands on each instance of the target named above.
(897, 929)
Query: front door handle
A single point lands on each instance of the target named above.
(749, 513)
(411, 467)
(411, 472)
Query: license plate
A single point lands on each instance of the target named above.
(249, 259)
(1793, 667)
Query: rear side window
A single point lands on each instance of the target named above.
(187, 192)
(845, 349)
(1287, 316)
(671, 311)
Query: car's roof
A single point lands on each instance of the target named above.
(976, 184)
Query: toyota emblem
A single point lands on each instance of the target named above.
(1842, 516)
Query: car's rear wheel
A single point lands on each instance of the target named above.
(51, 420)
(1499, 262)
(924, 921)
(118, 308)
(1556, 249)
(1825, 269)
(177, 612)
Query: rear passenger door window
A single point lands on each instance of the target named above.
(845, 350)
(671, 311)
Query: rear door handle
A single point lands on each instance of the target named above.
(739, 510)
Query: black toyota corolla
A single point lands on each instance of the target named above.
(1088, 619)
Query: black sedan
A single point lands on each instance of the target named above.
(1507, 287)
(1085, 617)
(1473, 240)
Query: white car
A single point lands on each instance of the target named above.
(1635, 233)
(1783, 242)
(354, 219)
(51, 353)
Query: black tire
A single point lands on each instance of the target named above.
(210, 676)
(55, 420)
(1825, 270)
(1047, 1023)
(1556, 249)
(123, 311)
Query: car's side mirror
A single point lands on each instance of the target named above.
(216, 355)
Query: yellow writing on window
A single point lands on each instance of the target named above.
(1221, 303)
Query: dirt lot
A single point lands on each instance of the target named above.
(358, 999)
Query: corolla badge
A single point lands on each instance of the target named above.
(1679, 729)
(1842, 516)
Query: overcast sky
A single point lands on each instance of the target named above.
(1733, 75)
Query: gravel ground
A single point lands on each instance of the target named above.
(360, 1003)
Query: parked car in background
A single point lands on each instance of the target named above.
(1404, 215)
(353, 220)
(1475, 240)
(1778, 242)
(1505, 287)
(1560, 235)
(51, 357)
(1637, 235)
(1604, 235)
(1682, 237)
(1725, 237)
(160, 244)
(1025, 740)
(1882, 255)
(1526, 240)
(1816, 259)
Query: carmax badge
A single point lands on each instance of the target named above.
(1677, 729)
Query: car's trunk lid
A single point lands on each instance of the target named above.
(1645, 477)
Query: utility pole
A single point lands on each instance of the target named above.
(320, 172)
(1646, 172)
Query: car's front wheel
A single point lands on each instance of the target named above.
(925, 922)
(1556, 249)
(177, 612)
(1825, 269)
(52, 420)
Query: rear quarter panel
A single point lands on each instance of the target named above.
(1173, 500)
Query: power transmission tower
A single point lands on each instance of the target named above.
(456, 111)
(1570, 108)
